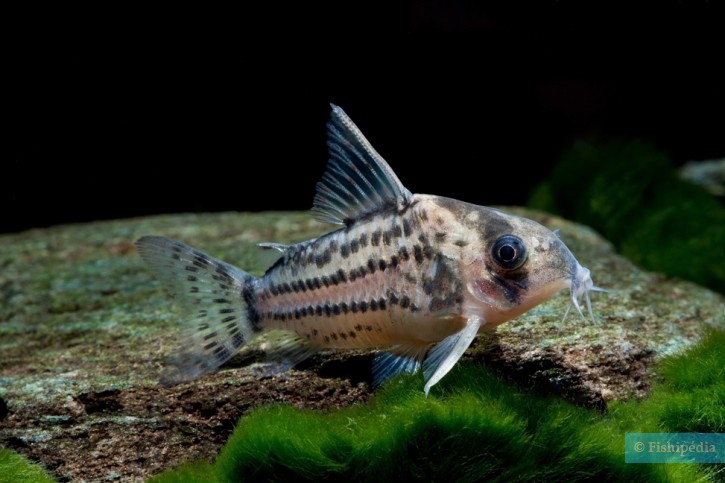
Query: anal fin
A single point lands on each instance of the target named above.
(446, 353)
(285, 350)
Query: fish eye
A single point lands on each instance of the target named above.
(509, 252)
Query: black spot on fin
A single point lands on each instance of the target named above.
(218, 303)
(357, 181)
(403, 359)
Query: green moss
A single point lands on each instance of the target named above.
(629, 192)
(16, 469)
(542, 197)
(477, 426)
(701, 367)
(198, 471)
(690, 396)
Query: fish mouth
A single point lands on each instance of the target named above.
(581, 285)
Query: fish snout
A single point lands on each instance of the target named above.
(581, 284)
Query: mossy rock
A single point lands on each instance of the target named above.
(85, 330)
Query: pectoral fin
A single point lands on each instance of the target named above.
(400, 359)
(446, 353)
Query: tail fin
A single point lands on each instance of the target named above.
(218, 303)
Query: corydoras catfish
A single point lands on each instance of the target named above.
(416, 276)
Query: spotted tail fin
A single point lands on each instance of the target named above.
(217, 300)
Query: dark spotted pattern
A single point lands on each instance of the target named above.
(342, 308)
(221, 354)
(446, 289)
(340, 276)
(395, 231)
(386, 237)
(323, 258)
(418, 253)
(407, 230)
(237, 337)
(251, 301)
(375, 238)
(398, 247)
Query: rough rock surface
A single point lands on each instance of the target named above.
(84, 331)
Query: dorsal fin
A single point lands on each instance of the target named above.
(357, 181)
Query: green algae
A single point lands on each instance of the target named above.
(476, 426)
(630, 193)
(16, 469)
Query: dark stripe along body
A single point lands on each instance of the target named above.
(371, 284)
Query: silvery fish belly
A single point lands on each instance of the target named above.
(417, 276)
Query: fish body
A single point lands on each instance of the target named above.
(418, 276)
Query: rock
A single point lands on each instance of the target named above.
(710, 174)
(85, 329)
(3, 409)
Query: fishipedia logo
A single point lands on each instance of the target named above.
(674, 448)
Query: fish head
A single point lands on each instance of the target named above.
(519, 265)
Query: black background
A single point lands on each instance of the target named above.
(143, 113)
